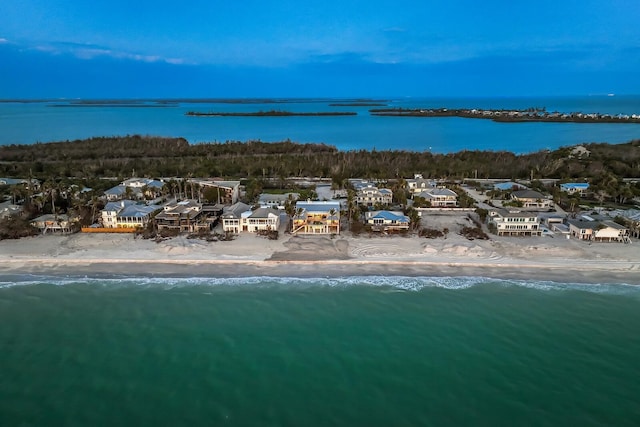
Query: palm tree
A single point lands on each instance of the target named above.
(332, 216)
(298, 214)
(94, 207)
(49, 190)
(414, 218)
(128, 193)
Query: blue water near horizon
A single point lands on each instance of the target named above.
(27, 123)
(401, 351)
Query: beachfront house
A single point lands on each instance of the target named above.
(575, 188)
(321, 217)
(183, 216)
(531, 199)
(51, 223)
(598, 231)
(232, 217)
(261, 219)
(387, 221)
(632, 218)
(439, 197)
(126, 214)
(513, 222)
(371, 195)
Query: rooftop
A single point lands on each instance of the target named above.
(528, 194)
(388, 215)
(319, 206)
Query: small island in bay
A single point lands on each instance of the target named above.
(357, 104)
(270, 113)
(533, 114)
(120, 103)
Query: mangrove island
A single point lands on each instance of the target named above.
(510, 116)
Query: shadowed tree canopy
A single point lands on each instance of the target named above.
(165, 157)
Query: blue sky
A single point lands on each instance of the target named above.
(115, 48)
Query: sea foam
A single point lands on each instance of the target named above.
(385, 283)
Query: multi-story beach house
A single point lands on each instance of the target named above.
(240, 218)
(183, 216)
(261, 219)
(371, 195)
(228, 191)
(632, 216)
(126, 214)
(439, 197)
(575, 187)
(418, 184)
(598, 231)
(317, 218)
(531, 199)
(232, 217)
(387, 220)
(513, 222)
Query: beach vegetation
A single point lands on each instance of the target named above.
(356, 227)
(414, 218)
(513, 203)
(421, 202)
(464, 200)
(269, 234)
(482, 214)
(472, 233)
(16, 227)
(431, 233)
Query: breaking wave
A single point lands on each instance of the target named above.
(385, 283)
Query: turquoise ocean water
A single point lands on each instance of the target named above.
(315, 352)
(27, 123)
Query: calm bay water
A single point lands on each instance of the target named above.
(312, 352)
(27, 123)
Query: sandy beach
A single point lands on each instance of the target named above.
(538, 258)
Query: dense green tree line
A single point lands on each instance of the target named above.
(164, 157)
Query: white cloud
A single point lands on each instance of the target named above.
(88, 51)
(3, 40)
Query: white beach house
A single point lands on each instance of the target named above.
(514, 222)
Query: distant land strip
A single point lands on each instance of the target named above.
(357, 104)
(534, 114)
(271, 113)
(114, 105)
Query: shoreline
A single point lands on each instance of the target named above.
(534, 259)
(271, 113)
(531, 115)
